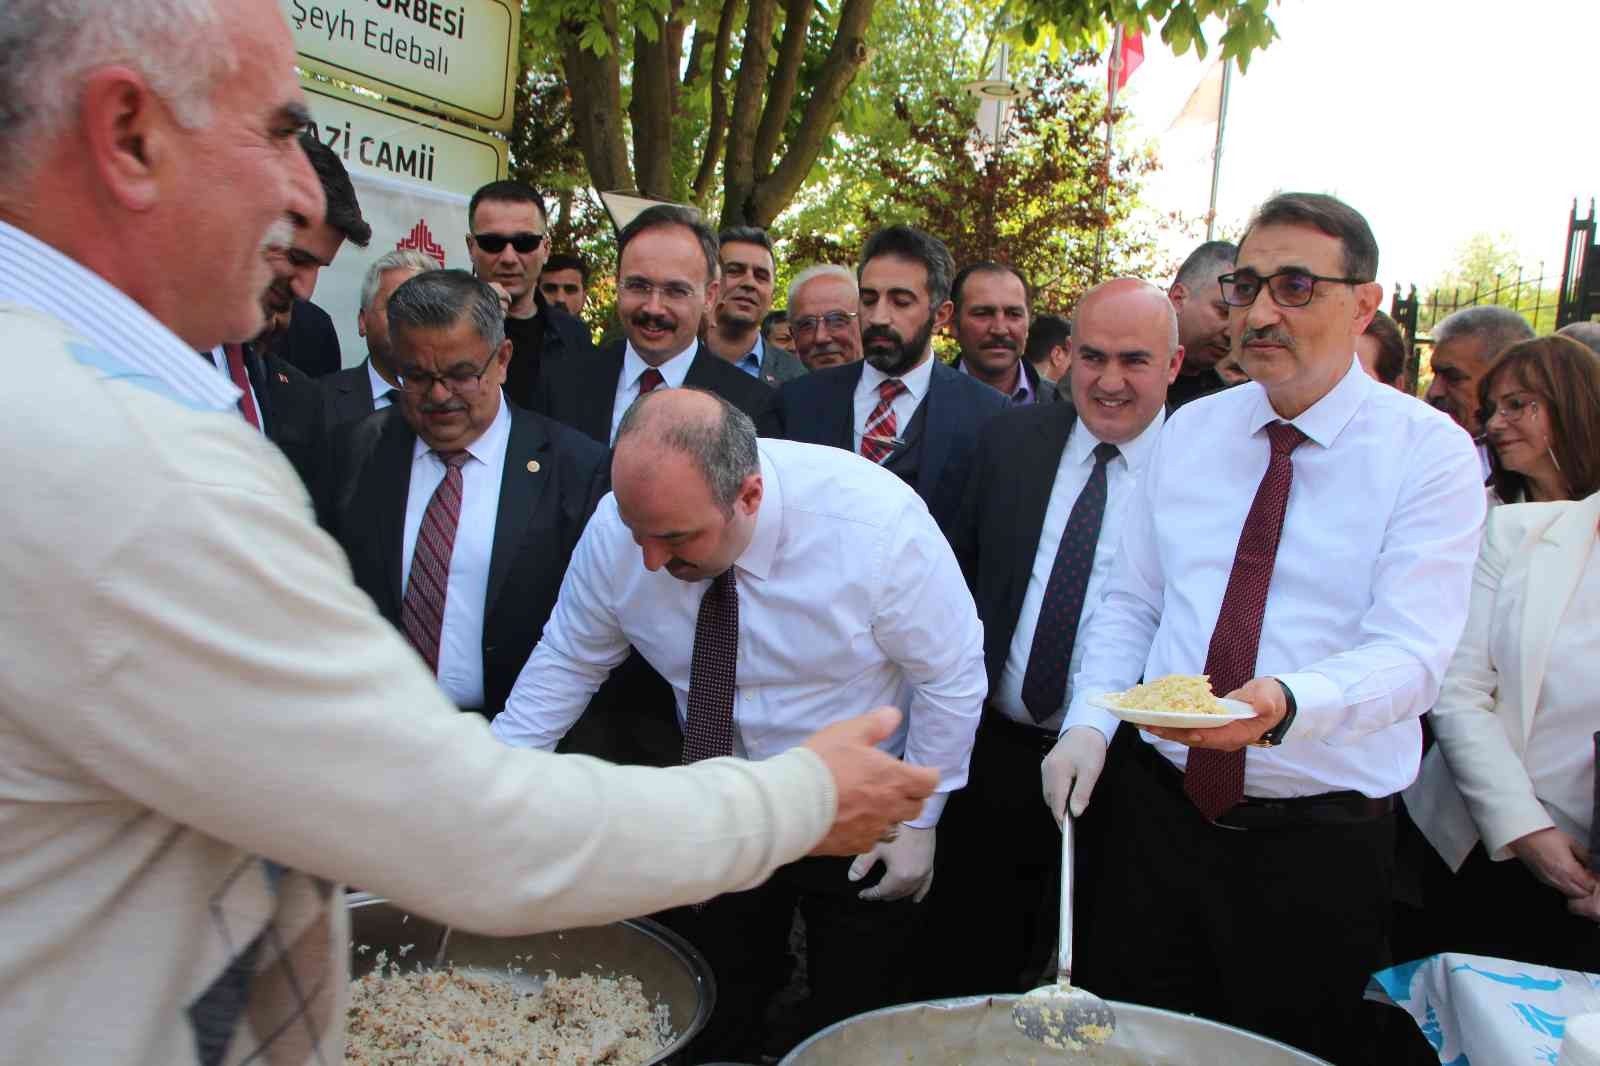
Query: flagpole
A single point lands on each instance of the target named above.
(1216, 154)
(1115, 74)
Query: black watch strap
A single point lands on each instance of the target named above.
(1274, 736)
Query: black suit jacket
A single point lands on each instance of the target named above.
(311, 343)
(293, 416)
(581, 392)
(1002, 515)
(541, 514)
(1043, 390)
(820, 409)
(347, 395)
(562, 338)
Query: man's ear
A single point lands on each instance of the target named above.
(1178, 294)
(127, 131)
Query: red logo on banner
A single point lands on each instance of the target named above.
(421, 240)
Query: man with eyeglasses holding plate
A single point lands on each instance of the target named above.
(1307, 541)
(508, 242)
(459, 511)
(667, 261)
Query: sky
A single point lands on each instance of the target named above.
(1437, 119)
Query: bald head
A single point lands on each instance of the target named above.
(1125, 353)
(687, 481)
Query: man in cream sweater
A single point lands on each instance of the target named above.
(204, 726)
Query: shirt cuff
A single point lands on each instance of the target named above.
(1318, 702)
(932, 808)
(1081, 713)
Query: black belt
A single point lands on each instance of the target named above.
(998, 725)
(1253, 812)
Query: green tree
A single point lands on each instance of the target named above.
(1488, 270)
(686, 99)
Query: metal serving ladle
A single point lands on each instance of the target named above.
(1059, 1016)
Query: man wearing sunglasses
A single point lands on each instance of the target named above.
(508, 242)
(1306, 540)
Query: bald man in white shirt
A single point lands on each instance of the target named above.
(1307, 541)
(773, 585)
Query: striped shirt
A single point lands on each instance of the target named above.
(35, 275)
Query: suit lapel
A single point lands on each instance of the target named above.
(522, 486)
(838, 418)
(1039, 460)
(391, 481)
(1555, 566)
(598, 391)
(936, 448)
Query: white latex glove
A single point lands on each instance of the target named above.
(908, 866)
(1071, 770)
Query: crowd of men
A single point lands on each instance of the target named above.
(727, 530)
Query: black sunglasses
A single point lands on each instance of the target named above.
(495, 243)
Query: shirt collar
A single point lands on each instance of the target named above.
(915, 380)
(673, 371)
(763, 547)
(1022, 394)
(35, 275)
(1324, 420)
(490, 446)
(379, 386)
(755, 358)
(1081, 443)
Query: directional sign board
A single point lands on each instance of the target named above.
(458, 56)
(373, 137)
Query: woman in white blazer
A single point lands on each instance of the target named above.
(1512, 774)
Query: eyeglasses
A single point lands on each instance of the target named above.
(1512, 407)
(495, 243)
(836, 321)
(463, 381)
(1289, 288)
(641, 290)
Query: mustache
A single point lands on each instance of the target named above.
(881, 333)
(1270, 334)
(646, 320)
(428, 407)
(1001, 342)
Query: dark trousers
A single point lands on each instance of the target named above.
(856, 952)
(993, 916)
(1273, 930)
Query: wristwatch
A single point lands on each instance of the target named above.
(1274, 736)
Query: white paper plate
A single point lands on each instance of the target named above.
(1237, 711)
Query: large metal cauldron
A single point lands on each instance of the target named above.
(668, 968)
(979, 1032)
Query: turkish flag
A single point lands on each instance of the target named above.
(1132, 56)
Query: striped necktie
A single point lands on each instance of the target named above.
(422, 610)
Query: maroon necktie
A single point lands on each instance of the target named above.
(422, 610)
(236, 372)
(649, 380)
(877, 440)
(1215, 779)
(708, 727)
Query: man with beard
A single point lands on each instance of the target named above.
(564, 282)
(991, 326)
(823, 317)
(1202, 320)
(667, 262)
(901, 408)
(743, 299)
(508, 241)
(371, 385)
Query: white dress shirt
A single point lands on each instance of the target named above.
(905, 405)
(1072, 474)
(1560, 753)
(1369, 589)
(380, 388)
(673, 371)
(219, 359)
(849, 597)
(461, 633)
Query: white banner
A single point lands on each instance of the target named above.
(402, 215)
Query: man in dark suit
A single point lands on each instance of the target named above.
(311, 343)
(900, 407)
(454, 480)
(1020, 542)
(744, 296)
(371, 385)
(666, 285)
(508, 240)
(991, 325)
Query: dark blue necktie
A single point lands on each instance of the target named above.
(1044, 683)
